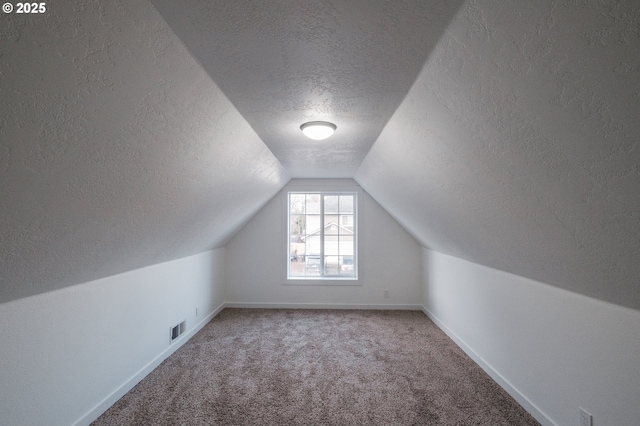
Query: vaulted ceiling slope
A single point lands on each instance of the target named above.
(117, 150)
(282, 63)
(518, 147)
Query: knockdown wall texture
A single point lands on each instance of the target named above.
(117, 149)
(389, 258)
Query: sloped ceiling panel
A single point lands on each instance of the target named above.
(283, 63)
(518, 146)
(117, 150)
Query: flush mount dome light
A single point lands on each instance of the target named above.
(318, 130)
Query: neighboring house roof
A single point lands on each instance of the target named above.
(317, 231)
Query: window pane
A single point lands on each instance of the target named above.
(331, 265)
(346, 222)
(331, 204)
(312, 265)
(296, 249)
(331, 246)
(296, 266)
(331, 225)
(313, 224)
(297, 223)
(313, 245)
(346, 246)
(297, 203)
(346, 268)
(313, 203)
(346, 204)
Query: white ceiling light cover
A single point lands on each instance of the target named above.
(318, 130)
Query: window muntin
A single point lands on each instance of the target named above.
(322, 235)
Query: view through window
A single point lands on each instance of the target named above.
(322, 235)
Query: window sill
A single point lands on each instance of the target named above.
(336, 281)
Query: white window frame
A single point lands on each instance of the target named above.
(323, 275)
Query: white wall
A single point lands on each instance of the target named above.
(69, 354)
(560, 350)
(389, 258)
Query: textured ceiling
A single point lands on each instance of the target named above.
(117, 150)
(504, 133)
(282, 63)
(518, 147)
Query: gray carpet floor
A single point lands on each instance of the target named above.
(317, 367)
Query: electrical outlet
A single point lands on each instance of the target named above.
(196, 311)
(386, 294)
(585, 418)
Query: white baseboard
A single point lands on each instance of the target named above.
(387, 307)
(111, 399)
(531, 408)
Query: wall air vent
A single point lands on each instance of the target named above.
(176, 331)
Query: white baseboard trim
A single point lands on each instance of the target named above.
(386, 307)
(111, 399)
(531, 408)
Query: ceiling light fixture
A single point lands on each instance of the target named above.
(318, 130)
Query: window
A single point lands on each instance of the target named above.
(322, 235)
